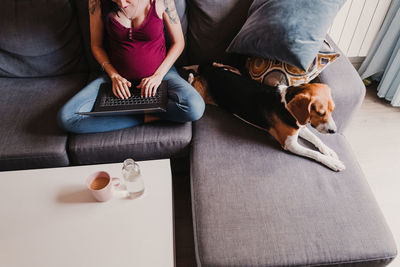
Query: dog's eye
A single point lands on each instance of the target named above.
(314, 108)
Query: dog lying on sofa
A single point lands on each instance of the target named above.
(282, 111)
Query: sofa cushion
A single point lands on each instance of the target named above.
(272, 72)
(286, 30)
(150, 141)
(212, 26)
(39, 40)
(257, 205)
(30, 137)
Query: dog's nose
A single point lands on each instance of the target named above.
(331, 131)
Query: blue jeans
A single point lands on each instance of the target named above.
(184, 105)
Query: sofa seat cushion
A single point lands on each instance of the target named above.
(257, 205)
(145, 142)
(30, 137)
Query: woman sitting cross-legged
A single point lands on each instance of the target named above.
(134, 33)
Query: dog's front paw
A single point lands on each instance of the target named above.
(328, 152)
(334, 164)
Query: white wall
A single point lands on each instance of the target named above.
(357, 24)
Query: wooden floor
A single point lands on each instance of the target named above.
(374, 134)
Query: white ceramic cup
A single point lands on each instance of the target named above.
(102, 185)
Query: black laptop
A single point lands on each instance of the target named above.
(108, 104)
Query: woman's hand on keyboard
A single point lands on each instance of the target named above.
(120, 86)
(149, 85)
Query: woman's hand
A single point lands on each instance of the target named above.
(120, 86)
(149, 85)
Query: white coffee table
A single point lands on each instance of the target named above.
(49, 219)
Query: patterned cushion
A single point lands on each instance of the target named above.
(273, 72)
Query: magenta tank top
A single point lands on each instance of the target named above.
(136, 53)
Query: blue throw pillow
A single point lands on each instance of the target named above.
(291, 31)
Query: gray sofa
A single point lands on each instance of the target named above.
(253, 204)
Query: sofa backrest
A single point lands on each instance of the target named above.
(52, 37)
(212, 26)
(39, 38)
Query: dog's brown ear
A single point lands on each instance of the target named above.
(300, 106)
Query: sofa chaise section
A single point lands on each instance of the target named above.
(257, 205)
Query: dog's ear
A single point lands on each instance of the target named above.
(300, 107)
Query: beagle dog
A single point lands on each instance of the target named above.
(282, 111)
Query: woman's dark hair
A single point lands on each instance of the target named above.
(108, 6)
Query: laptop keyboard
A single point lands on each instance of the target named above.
(111, 100)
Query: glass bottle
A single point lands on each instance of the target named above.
(132, 178)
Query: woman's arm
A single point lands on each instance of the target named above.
(150, 84)
(171, 20)
(119, 84)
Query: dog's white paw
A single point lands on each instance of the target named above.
(328, 151)
(334, 164)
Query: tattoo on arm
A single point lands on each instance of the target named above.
(170, 9)
(93, 4)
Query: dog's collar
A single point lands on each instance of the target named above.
(252, 124)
